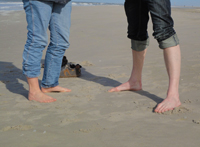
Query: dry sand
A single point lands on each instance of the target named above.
(89, 116)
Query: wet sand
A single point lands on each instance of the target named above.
(89, 116)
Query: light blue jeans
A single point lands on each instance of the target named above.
(40, 15)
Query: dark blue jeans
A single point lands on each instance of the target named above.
(137, 12)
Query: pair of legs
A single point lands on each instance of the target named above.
(137, 15)
(172, 58)
(40, 15)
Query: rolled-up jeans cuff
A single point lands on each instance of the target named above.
(139, 45)
(169, 42)
(49, 86)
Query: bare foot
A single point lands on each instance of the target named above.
(40, 97)
(128, 86)
(55, 89)
(168, 104)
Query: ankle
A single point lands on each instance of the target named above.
(173, 95)
(34, 91)
(134, 81)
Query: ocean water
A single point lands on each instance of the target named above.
(10, 6)
(16, 5)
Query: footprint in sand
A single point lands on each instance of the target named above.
(18, 127)
(187, 101)
(85, 130)
(196, 121)
(177, 110)
(68, 121)
(86, 63)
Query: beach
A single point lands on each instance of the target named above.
(90, 116)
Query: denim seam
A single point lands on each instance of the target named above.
(56, 41)
(27, 56)
(56, 47)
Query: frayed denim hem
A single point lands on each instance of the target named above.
(139, 45)
(170, 42)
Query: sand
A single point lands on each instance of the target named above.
(89, 116)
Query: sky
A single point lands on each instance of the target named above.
(173, 2)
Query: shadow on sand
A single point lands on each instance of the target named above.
(10, 75)
(113, 83)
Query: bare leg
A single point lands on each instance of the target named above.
(36, 94)
(55, 89)
(135, 81)
(172, 58)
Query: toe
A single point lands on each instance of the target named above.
(158, 108)
(112, 90)
(51, 100)
(68, 90)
